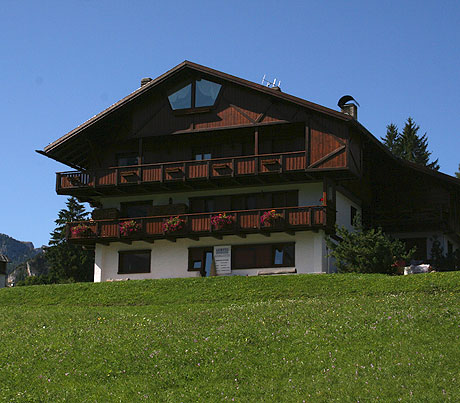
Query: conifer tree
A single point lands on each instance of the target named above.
(457, 174)
(68, 262)
(391, 140)
(408, 145)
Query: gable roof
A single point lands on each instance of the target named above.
(52, 150)
(201, 69)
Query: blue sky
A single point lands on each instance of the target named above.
(64, 61)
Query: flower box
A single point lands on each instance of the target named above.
(222, 221)
(173, 224)
(128, 228)
(80, 231)
(269, 218)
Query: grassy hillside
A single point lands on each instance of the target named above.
(295, 338)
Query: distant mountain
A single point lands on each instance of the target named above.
(35, 266)
(17, 251)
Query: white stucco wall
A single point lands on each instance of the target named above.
(343, 206)
(170, 259)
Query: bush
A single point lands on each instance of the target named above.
(367, 250)
(444, 262)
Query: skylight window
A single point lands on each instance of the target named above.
(182, 98)
(206, 93)
(197, 94)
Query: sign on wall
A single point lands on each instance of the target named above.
(223, 260)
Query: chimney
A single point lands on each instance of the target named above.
(349, 108)
(145, 80)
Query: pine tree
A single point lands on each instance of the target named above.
(391, 140)
(408, 145)
(68, 262)
(457, 174)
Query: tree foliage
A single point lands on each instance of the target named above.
(441, 261)
(67, 262)
(409, 145)
(367, 250)
(457, 174)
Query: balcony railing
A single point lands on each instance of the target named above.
(194, 226)
(184, 172)
(433, 217)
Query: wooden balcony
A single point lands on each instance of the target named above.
(186, 175)
(427, 218)
(194, 226)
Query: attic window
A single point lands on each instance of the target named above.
(197, 94)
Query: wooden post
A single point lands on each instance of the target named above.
(256, 141)
(307, 144)
(140, 158)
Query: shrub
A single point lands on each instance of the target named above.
(367, 250)
(444, 262)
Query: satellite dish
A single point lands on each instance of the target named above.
(345, 99)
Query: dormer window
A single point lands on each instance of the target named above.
(197, 94)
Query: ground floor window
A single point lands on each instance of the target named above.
(245, 257)
(137, 261)
(263, 256)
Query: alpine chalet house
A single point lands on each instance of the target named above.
(198, 171)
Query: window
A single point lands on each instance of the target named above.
(197, 94)
(252, 201)
(181, 99)
(206, 93)
(127, 159)
(200, 157)
(136, 209)
(263, 256)
(134, 262)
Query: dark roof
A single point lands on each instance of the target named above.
(404, 163)
(4, 259)
(51, 149)
(196, 67)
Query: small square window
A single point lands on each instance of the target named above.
(134, 262)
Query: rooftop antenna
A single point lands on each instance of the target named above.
(270, 84)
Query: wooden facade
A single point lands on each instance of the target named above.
(248, 136)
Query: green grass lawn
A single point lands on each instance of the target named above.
(246, 339)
